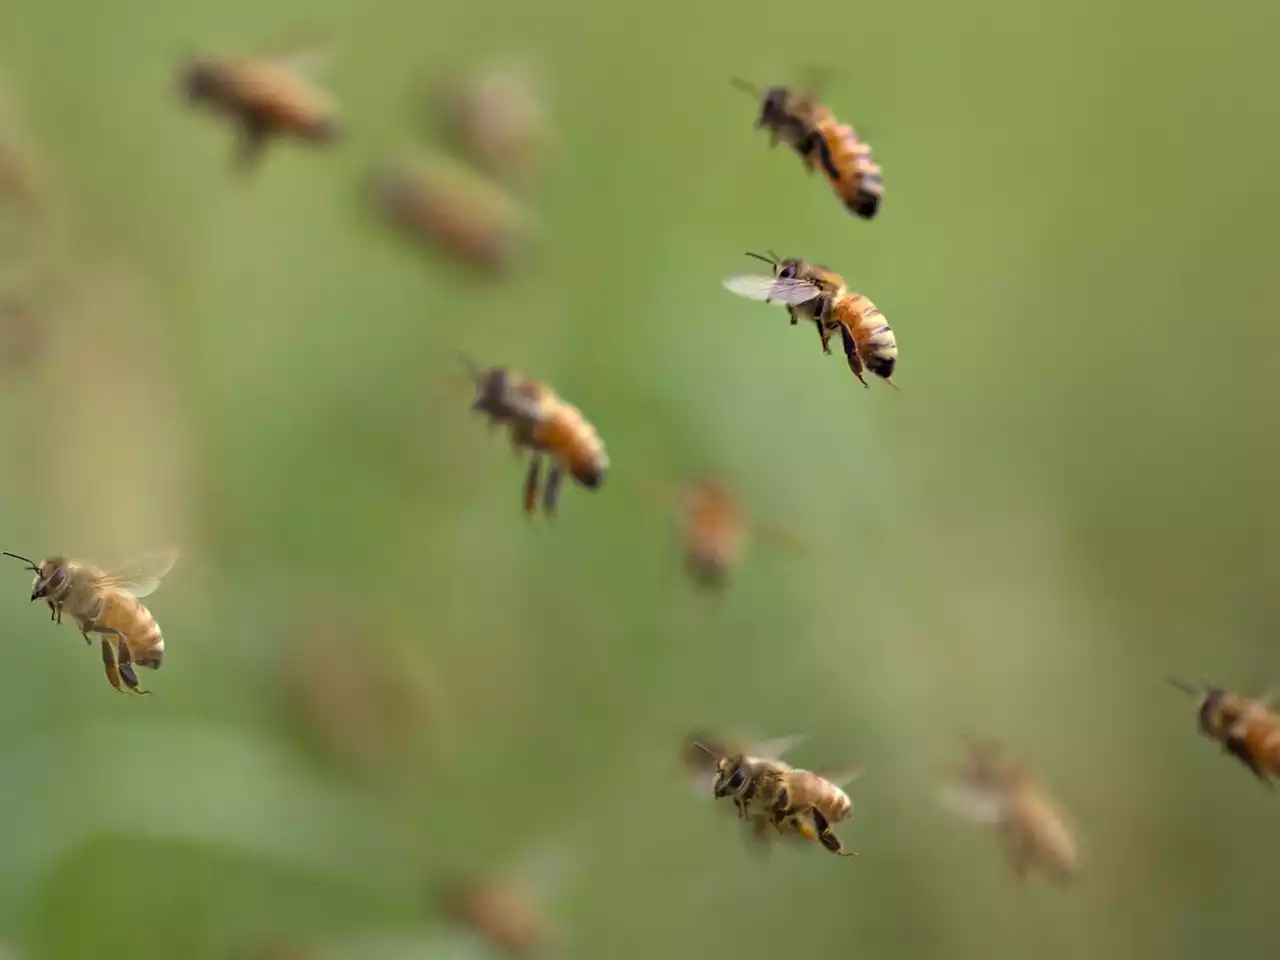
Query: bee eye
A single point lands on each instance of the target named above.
(59, 575)
(737, 780)
(787, 273)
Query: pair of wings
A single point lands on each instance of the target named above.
(786, 290)
(141, 575)
(767, 750)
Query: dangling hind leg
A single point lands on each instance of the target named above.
(826, 836)
(551, 492)
(124, 660)
(851, 354)
(531, 480)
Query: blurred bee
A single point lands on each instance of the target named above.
(767, 791)
(510, 912)
(990, 788)
(445, 204)
(106, 603)
(540, 421)
(267, 96)
(499, 120)
(823, 143)
(1246, 727)
(822, 296)
(715, 531)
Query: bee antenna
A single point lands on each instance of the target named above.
(705, 749)
(29, 563)
(1183, 686)
(741, 84)
(772, 259)
(473, 371)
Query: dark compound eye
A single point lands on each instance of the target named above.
(57, 579)
(787, 272)
(737, 780)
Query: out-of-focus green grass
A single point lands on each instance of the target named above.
(1070, 497)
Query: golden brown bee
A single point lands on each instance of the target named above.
(511, 912)
(821, 295)
(990, 788)
(499, 120)
(823, 143)
(766, 790)
(715, 530)
(266, 96)
(452, 208)
(1246, 727)
(106, 603)
(540, 421)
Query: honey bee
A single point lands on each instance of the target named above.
(767, 791)
(823, 143)
(499, 119)
(106, 603)
(990, 788)
(822, 296)
(540, 421)
(445, 204)
(511, 911)
(715, 530)
(1246, 727)
(266, 96)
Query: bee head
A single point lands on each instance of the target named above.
(731, 775)
(198, 79)
(1217, 711)
(773, 107)
(491, 387)
(881, 366)
(51, 575)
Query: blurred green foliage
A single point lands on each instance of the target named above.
(1069, 498)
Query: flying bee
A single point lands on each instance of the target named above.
(499, 119)
(992, 789)
(822, 296)
(540, 421)
(768, 791)
(267, 96)
(1246, 727)
(801, 122)
(106, 603)
(512, 911)
(715, 530)
(443, 204)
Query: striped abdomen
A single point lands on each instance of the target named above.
(846, 162)
(126, 613)
(810, 789)
(1261, 742)
(565, 434)
(870, 331)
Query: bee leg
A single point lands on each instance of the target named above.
(827, 836)
(851, 354)
(817, 143)
(743, 799)
(791, 312)
(551, 492)
(825, 335)
(531, 485)
(781, 807)
(124, 661)
(89, 624)
(109, 661)
(253, 137)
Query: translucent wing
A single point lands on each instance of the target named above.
(311, 62)
(141, 576)
(843, 776)
(973, 803)
(775, 748)
(780, 537)
(772, 289)
(547, 871)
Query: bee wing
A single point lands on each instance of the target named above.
(546, 871)
(775, 748)
(974, 804)
(142, 575)
(843, 776)
(780, 537)
(311, 62)
(753, 286)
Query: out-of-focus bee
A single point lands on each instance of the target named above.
(992, 789)
(540, 421)
(454, 209)
(715, 530)
(824, 143)
(267, 96)
(1246, 727)
(767, 791)
(106, 603)
(511, 912)
(499, 120)
(822, 296)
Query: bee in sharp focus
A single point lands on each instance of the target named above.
(822, 296)
(267, 96)
(540, 421)
(767, 791)
(990, 788)
(823, 143)
(106, 603)
(1246, 727)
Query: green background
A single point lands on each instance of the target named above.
(1071, 497)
